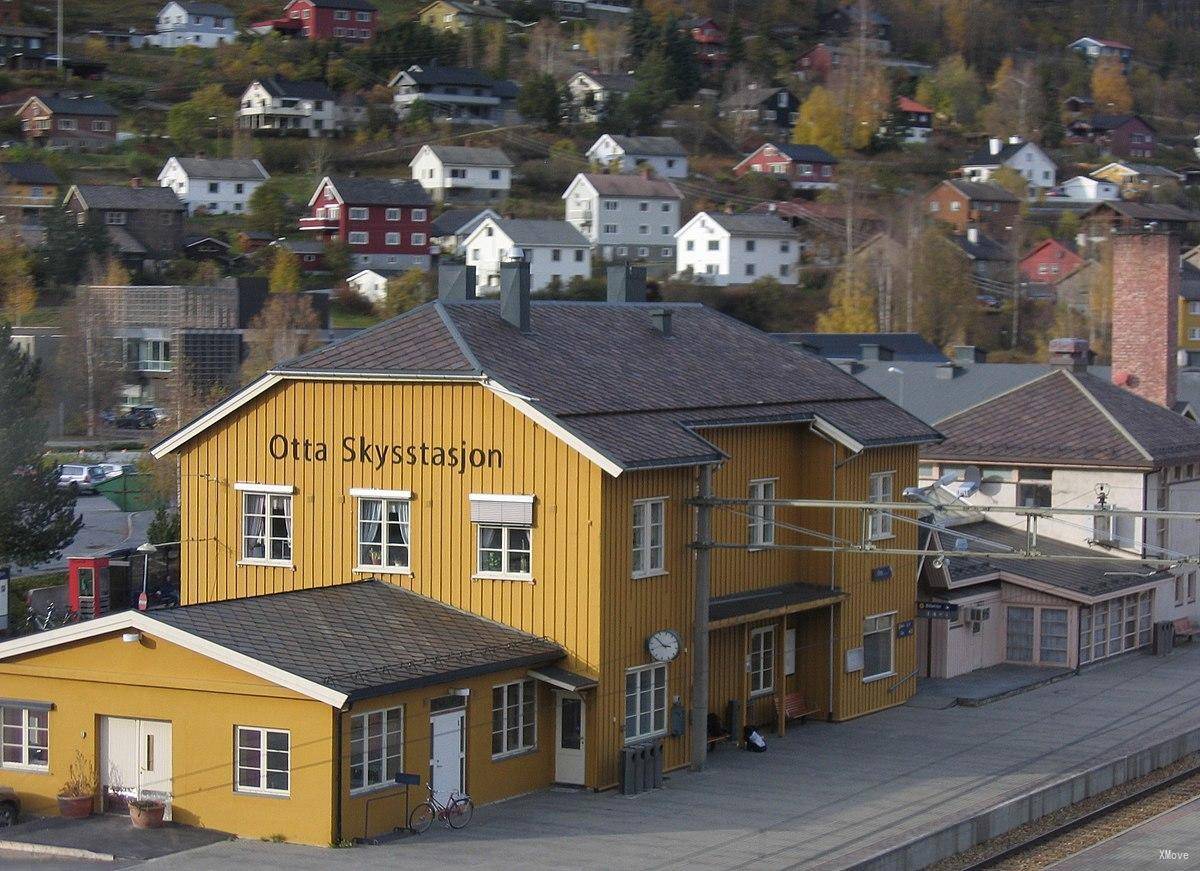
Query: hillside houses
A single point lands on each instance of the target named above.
(72, 122)
(383, 223)
(555, 251)
(1026, 158)
(663, 154)
(193, 22)
(806, 167)
(625, 217)
(216, 186)
(721, 249)
(1129, 136)
(592, 93)
(351, 21)
(144, 224)
(458, 94)
(456, 173)
(312, 109)
(769, 108)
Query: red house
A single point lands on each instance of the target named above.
(807, 167)
(1049, 263)
(345, 20)
(1120, 135)
(817, 63)
(709, 40)
(383, 223)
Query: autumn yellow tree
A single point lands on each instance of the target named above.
(286, 327)
(1016, 104)
(1110, 90)
(18, 297)
(851, 305)
(405, 291)
(285, 272)
(819, 122)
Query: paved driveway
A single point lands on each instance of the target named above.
(104, 528)
(815, 799)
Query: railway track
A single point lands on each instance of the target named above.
(1069, 831)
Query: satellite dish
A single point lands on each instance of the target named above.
(947, 479)
(972, 475)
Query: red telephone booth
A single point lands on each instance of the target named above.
(87, 586)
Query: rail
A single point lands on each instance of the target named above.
(903, 680)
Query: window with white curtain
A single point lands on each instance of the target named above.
(266, 525)
(762, 517)
(383, 531)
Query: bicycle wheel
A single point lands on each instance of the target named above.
(460, 812)
(422, 817)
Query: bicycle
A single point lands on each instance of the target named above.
(455, 814)
(53, 620)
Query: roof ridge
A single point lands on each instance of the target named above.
(982, 402)
(1108, 415)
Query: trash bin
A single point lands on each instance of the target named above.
(1164, 637)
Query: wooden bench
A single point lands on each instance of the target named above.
(1185, 628)
(796, 707)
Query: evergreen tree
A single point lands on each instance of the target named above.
(68, 248)
(540, 101)
(681, 55)
(644, 35)
(37, 519)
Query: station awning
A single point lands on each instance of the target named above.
(563, 679)
(744, 607)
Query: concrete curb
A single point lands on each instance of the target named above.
(924, 850)
(1008, 694)
(59, 852)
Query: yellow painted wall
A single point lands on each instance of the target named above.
(204, 700)
(1187, 322)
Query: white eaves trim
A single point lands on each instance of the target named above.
(829, 430)
(145, 623)
(369, 493)
(242, 397)
(250, 487)
(499, 497)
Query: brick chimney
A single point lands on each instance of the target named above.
(1145, 313)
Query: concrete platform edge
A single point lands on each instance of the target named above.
(924, 850)
(58, 852)
(987, 700)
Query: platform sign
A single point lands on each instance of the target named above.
(937, 610)
(881, 573)
(905, 629)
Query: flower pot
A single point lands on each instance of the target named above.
(146, 815)
(75, 807)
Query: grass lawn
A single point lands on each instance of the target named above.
(340, 318)
(43, 316)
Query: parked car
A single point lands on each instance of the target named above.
(111, 470)
(84, 477)
(10, 806)
(138, 417)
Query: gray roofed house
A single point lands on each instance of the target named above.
(751, 224)
(115, 196)
(67, 104)
(622, 185)
(658, 146)
(608, 376)
(525, 231)
(144, 223)
(362, 191)
(867, 346)
(458, 222)
(663, 154)
(768, 107)
(200, 7)
(277, 86)
(983, 191)
(362, 639)
(223, 168)
(465, 156)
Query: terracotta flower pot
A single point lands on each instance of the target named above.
(75, 807)
(147, 815)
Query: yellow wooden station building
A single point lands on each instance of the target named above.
(463, 544)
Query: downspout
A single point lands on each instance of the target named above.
(700, 618)
(337, 777)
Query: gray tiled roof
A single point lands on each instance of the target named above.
(752, 224)
(277, 86)
(984, 248)
(653, 146)
(1146, 211)
(626, 185)
(619, 82)
(606, 374)
(223, 168)
(1083, 578)
(982, 190)
(197, 7)
(984, 156)
(1069, 419)
(849, 346)
(452, 221)
(28, 172)
(115, 196)
(363, 639)
(75, 105)
(360, 5)
(807, 153)
(524, 231)
(461, 155)
(356, 191)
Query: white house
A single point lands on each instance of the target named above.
(456, 172)
(626, 217)
(1025, 157)
(371, 284)
(592, 93)
(451, 228)
(1083, 187)
(278, 104)
(554, 249)
(218, 186)
(721, 249)
(663, 154)
(192, 22)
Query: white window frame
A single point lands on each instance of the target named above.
(262, 768)
(656, 671)
(526, 696)
(401, 497)
(418, 215)
(359, 213)
(872, 626)
(762, 677)
(391, 239)
(506, 551)
(24, 743)
(267, 491)
(392, 724)
(417, 238)
(760, 524)
(358, 237)
(392, 215)
(642, 560)
(879, 524)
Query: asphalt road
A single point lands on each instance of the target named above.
(104, 527)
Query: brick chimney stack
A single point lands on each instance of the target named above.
(1145, 313)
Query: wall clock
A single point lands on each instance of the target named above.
(663, 645)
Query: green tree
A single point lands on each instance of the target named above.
(952, 90)
(269, 208)
(680, 53)
(285, 271)
(337, 258)
(165, 527)
(946, 308)
(644, 34)
(405, 291)
(69, 248)
(208, 109)
(819, 122)
(540, 101)
(37, 518)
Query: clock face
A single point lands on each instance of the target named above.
(663, 645)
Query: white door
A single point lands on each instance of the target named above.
(448, 759)
(135, 761)
(569, 752)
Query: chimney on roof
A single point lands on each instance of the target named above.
(1015, 140)
(455, 282)
(1145, 313)
(874, 351)
(1072, 354)
(660, 318)
(514, 293)
(965, 355)
(646, 171)
(995, 143)
(626, 283)
(947, 371)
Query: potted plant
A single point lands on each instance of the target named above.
(147, 813)
(77, 798)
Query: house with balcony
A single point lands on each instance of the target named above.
(806, 167)
(722, 249)
(27, 190)
(351, 21)
(625, 217)
(457, 173)
(215, 186)
(193, 22)
(279, 106)
(914, 119)
(466, 96)
(662, 154)
(384, 223)
(555, 251)
(71, 122)
(145, 224)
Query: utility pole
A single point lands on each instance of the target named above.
(59, 50)
(700, 620)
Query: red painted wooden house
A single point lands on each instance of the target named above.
(383, 223)
(344, 20)
(1049, 263)
(807, 167)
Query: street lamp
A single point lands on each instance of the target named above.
(146, 549)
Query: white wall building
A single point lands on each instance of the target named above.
(723, 249)
(219, 186)
(626, 217)
(277, 104)
(554, 249)
(592, 93)
(663, 154)
(1083, 187)
(1025, 157)
(458, 173)
(371, 284)
(184, 22)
